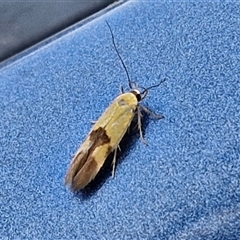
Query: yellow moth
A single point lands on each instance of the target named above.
(106, 134)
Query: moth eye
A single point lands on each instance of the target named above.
(139, 97)
(121, 102)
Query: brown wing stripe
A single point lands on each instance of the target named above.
(99, 136)
(85, 175)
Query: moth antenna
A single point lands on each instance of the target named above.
(145, 91)
(124, 66)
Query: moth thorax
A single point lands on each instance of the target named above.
(137, 94)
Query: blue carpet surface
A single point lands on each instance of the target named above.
(184, 184)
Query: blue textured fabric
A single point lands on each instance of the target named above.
(184, 184)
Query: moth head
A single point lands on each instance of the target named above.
(137, 94)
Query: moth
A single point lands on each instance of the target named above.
(106, 133)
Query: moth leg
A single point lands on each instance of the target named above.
(121, 90)
(114, 162)
(140, 125)
(145, 109)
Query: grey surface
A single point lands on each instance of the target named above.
(23, 24)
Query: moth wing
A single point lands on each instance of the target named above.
(118, 125)
(104, 137)
(91, 167)
(79, 159)
(82, 154)
(115, 129)
(106, 116)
